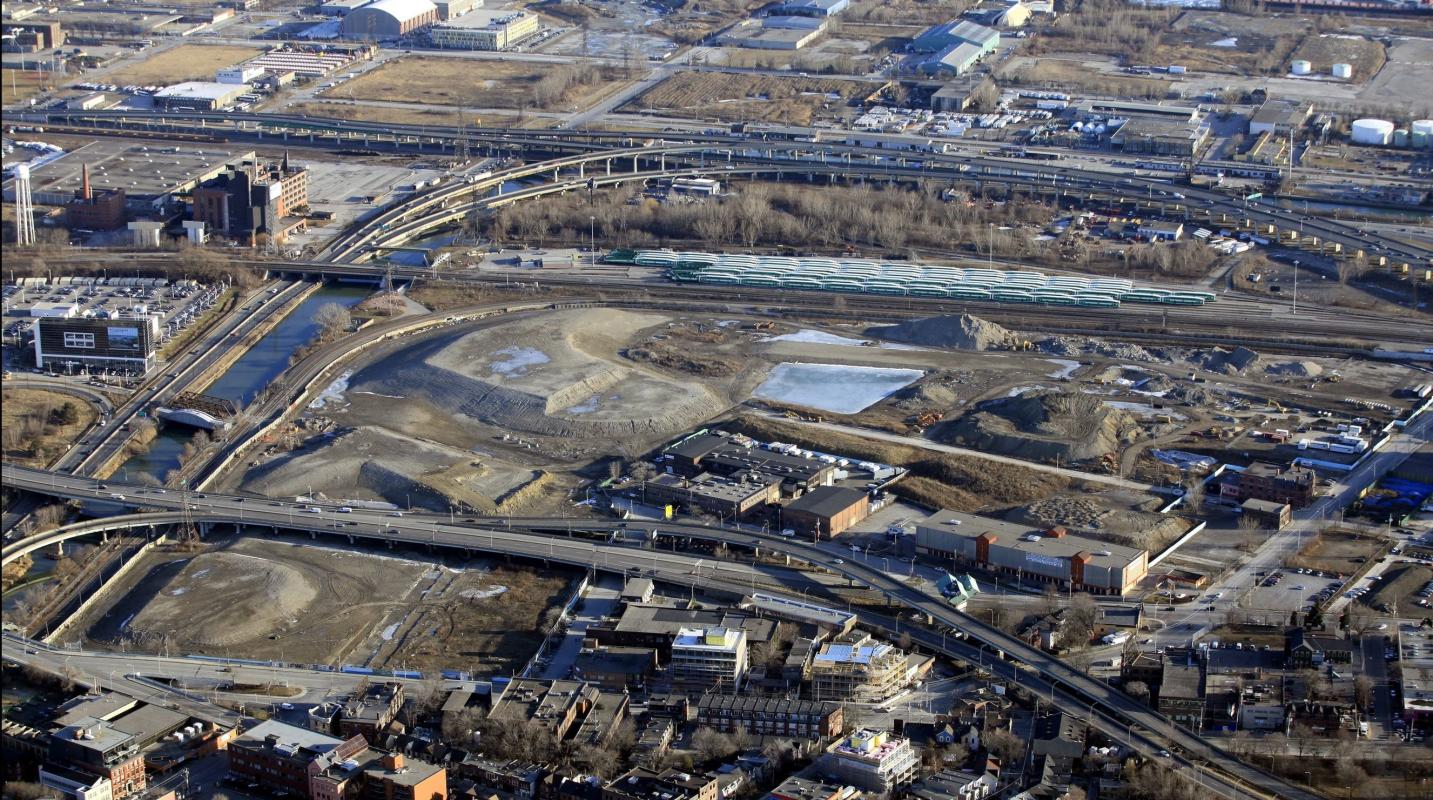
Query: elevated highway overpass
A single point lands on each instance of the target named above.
(548, 539)
(348, 133)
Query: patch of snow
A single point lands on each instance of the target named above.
(177, 592)
(1232, 41)
(837, 388)
(1142, 409)
(517, 361)
(1019, 390)
(380, 394)
(333, 393)
(483, 593)
(817, 337)
(727, 323)
(586, 406)
(807, 336)
(389, 631)
(201, 573)
(1066, 367)
(124, 626)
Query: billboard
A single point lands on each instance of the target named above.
(124, 337)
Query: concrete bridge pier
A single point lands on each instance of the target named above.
(664, 162)
(634, 165)
(581, 169)
(608, 163)
(390, 544)
(310, 137)
(59, 550)
(313, 535)
(350, 538)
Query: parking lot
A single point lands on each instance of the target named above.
(176, 304)
(1291, 590)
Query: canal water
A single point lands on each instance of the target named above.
(243, 381)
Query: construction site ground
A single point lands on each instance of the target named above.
(320, 602)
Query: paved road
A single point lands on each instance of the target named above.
(1107, 708)
(1271, 555)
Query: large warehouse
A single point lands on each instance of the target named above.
(388, 19)
(1052, 555)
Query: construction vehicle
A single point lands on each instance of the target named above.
(764, 325)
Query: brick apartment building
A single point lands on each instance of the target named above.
(1264, 481)
(770, 716)
(99, 749)
(285, 757)
(370, 712)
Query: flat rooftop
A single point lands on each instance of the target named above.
(493, 18)
(141, 170)
(291, 735)
(1009, 534)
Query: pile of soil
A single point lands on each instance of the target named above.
(1298, 369)
(1044, 426)
(1084, 345)
(962, 332)
(1088, 516)
(221, 599)
(1225, 362)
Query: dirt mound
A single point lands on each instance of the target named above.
(1191, 394)
(371, 463)
(1225, 362)
(1089, 516)
(962, 332)
(258, 597)
(555, 375)
(1044, 426)
(1298, 369)
(1084, 345)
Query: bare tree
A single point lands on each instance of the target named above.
(333, 320)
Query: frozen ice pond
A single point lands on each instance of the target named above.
(836, 388)
(809, 336)
(516, 360)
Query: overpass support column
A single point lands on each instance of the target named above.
(608, 162)
(581, 169)
(634, 165)
(350, 538)
(313, 534)
(59, 550)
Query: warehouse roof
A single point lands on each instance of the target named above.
(206, 90)
(485, 18)
(1031, 540)
(827, 501)
(402, 9)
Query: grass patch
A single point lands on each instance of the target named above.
(418, 116)
(22, 84)
(1337, 550)
(1075, 75)
(766, 98)
(36, 429)
(187, 62)
(479, 84)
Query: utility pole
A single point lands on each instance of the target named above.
(188, 532)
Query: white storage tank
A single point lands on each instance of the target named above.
(1421, 132)
(1371, 131)
(1344, 71)
(1400, 137)
(1302, 67)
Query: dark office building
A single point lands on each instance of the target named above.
(126, 344)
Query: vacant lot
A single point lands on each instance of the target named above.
(480, 83)
(1232, 43)
(21, 84)
(1336, 550)
(187, 62)
(321, 602)
(1078, 75)
(749, 97)
(37, 428)
(397, 114)
(1325, 50)
(1399, 589)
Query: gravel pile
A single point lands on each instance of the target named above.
(1045, 426)
(1084, 345)
(962, 332)
(1298, 369)
(1082, 515)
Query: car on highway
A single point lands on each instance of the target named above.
(838, 561)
